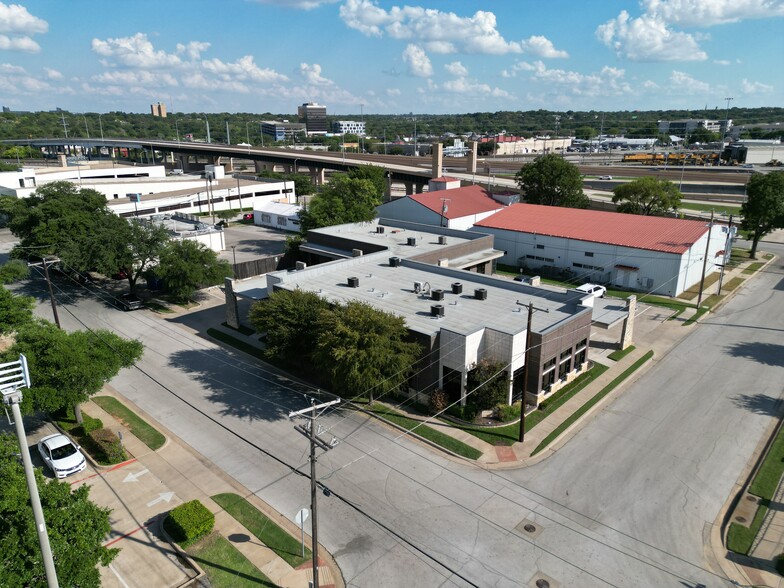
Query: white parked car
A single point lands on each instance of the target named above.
(61, 455)
(595, 289)
(605, 177)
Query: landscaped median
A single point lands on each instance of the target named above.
(143, 431)
(596, 398)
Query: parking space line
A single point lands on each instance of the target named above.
(118, 576)
(149, 523)
(102, 472)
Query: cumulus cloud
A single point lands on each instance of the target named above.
(52, 74)
(135, 51)
(16, 20)
(722, 62)
(12, 69)
(685, 84)
(437, 31)
(748, 87)
(652, 36)
(417, 61)
(312, 74)
(456, 69)
(24, 44)
(542, 47)
(609, 81)
(393, 92)
(517, 67)
(192, 50)
(301, 4)
(244, 69)
(466, 86)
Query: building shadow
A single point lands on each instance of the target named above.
(767, 353)
(759, 404)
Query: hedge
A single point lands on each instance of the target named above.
(108, 446)
(189, 522)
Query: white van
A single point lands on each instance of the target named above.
(595, 289)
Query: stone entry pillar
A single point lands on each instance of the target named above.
(471, 167)
(628, 322)
(437, 168)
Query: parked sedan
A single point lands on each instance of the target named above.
(61, 455)
(605, 177)
(130, 301)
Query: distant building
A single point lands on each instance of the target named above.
(281, 130)
(351, 127)
(158, 109)
(315, 118)
(687, 125)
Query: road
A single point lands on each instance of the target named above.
(624, 503)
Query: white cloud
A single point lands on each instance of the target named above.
(393, 92)
(25, 44)
(648, 39)
(722, 62)
(302, 4)
(466, 86)
(542, 47)
(8, 68)
(193, 50)
(748, 87)
(517, 67)
(135, 51)
(418, 62)
(610, 81)
(15, 19)
(244, 69)
(136, 78)
(650, 85)
(439, 32)
(312, 74)
(457, 69)
(652, 36)
(52, 74)
(684, 83)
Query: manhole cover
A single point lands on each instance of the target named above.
(531, 528)
(740, 519)
(542, 584)
(751, 498)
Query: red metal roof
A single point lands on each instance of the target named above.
(655, 233)
(462, 201)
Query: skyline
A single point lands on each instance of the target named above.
(380, 57)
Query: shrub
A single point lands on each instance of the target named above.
(438, 401)
(108, 445)
(189, 522)
(90, 424)
(488, 382)
(506, 412)
(465, 413)
(779, 563)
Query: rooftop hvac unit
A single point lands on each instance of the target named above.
(442, 239)
(437, 310)
(379, 229)
(356, 253)
(418, 287)
(457, 288)
(480, 294)
(437, 294)
(412, 241)
(353, 282)
(394, 261)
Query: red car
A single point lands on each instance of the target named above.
(247, 216)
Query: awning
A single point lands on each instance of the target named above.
(628, 268)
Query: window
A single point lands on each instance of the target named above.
(564, 369)
(567, 353)
(589, 254)
(538, 258)
(281, 220)
(540, 246)
(582, 344)
(579, 358)
(548, 380)
(265, 218)
(550, 364)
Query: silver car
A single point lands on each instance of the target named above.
(61, 455)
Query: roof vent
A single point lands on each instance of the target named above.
(353, 282)
(457, 288)
(480, 294)
(437, 310)
(442, 239)
(412, 241)
(394, 261)
(437, 294)
(379, 229)
(356, 253)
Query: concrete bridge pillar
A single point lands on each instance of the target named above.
(261, 166)
(317, 176)
(437, 168)
(409, 188)
(420, 188)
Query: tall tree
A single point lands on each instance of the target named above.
(186, 265)
(67, 368)
(15, 311)
(76, 526)
(344, 200)
(131, 247)
(763, 210)
(364, 350)
(553, 181)
(377, 175)
(290, 320)
(647, 196)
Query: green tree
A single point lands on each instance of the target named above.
(486, 148)
(364, 350)
(488, 384)
(15, 311)
(290, 321)
(377, 175)
(647, 196)
(13, 271)
(703, 135)
(302, 183)
(129, 246)
(585, 132)
(763, 210)
(76, 526)
(344, 200)
(66, 368)
(552, 181)
(186, 265)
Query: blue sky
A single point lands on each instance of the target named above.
(387, 57)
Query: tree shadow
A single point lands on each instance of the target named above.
(244, 387)
(767, 353)
(759, 404)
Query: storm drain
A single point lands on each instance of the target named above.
(541, 580)
(529, 528)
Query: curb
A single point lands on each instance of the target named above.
(200, 573)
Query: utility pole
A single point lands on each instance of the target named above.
(310, 431)
(46, 263)
(13, 377)
(531, 309)
(727, 253)
(705, 262)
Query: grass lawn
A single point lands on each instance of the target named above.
(236, 343)
(143, 431)
(739, 537)
(732, 284)
(619, 354)
(752, 268)
(694, 291)
(509, 434)
(720, 210)
(225, 566)
(264, 528)
(696, 316)
(426, 432)
(585, 407)
(158, 307)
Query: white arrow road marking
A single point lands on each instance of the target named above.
(135, 477)
(162, 497)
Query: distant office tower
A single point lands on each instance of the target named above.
(349, 126)
(158, 109)
(315, 118)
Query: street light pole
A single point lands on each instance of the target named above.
(705, 262)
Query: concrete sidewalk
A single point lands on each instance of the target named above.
(188, 474)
